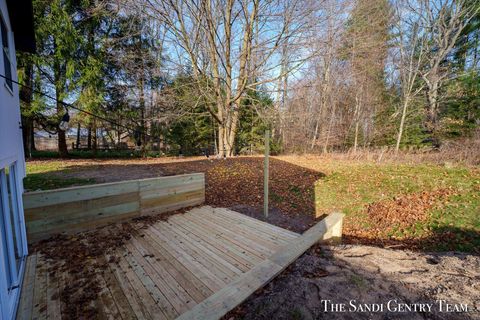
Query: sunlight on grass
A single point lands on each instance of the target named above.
(46, 175)
(46, 166)
(351, 187)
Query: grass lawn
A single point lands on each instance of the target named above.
(46, 175)
(351, 186)
(417, 204)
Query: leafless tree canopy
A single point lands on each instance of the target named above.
(322, 75)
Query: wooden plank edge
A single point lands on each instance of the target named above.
(240, 289)
(35, 199)
(106, 184)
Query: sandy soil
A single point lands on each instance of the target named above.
(369, 277)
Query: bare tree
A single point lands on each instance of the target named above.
(217, 38)
(444, 20)
(328, 46)
(366, 44)
(411, 43)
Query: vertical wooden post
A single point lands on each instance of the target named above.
(265, 173)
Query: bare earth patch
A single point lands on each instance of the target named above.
(368, 275)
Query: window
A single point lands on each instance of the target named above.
(6, 54)
(11, 234)
(5, 230)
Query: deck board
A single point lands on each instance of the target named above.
(183, 275)
(166, 269)
(209, 251)
(40, 290)
(25, 307)
(252, 245)
(138, 308)
(241, 264)
(53, 297)
(251, 232)
(118, 295)
(247, 258)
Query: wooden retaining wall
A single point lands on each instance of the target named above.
(82, 208)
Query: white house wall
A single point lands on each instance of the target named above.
(11, 146)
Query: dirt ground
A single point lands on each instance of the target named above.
(295, 223)
(363, 277)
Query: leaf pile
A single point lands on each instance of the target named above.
(404, 211)
(390, 222)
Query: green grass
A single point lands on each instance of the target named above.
(46, 175)
(350, 187)
(358, 280)
(46, 182)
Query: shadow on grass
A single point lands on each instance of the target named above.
(439, 239)
(45, 181)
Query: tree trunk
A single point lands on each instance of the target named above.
(78, 136)
(221, 142)
(432, 109)
(27, 121)
(94, 137)
(32, 137)
(28, 136)
(329, 129)
(215, 142)
(143, 136)
(62, 138)
(357, 122)
(402, 123)
(232, 132)
(59, 79)
(355, 143)
(62, 144)
(314, 139)
(89, 137)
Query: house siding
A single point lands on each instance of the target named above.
(11, 145)
(11, 152)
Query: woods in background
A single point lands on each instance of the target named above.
(183, 76)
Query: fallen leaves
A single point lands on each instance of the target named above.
(239, 181)
(404, 211)
(81, 259)
(393, 222)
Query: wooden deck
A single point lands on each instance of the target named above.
(167, 269)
